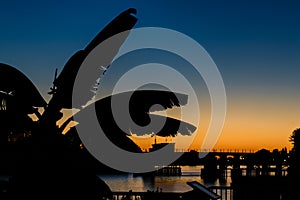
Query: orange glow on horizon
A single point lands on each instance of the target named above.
(252, 123)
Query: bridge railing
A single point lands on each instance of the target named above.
(226, 192)
(150, 195)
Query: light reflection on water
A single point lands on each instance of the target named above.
(126, 182)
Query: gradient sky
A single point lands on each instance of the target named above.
(255, 44)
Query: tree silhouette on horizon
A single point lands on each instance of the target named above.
(294, 161)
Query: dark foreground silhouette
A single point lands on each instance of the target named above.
(44, 163)
(50, 167)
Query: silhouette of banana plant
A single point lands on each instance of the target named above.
(19, 98)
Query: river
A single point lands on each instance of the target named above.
(126, 182)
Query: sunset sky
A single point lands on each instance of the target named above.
(255, 45)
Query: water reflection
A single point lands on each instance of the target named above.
(128, 182)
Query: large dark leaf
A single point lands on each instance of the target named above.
(18, 90)
(65, 81)
(18, 98)
(140, 103)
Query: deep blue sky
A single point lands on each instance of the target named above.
(247, 39)
(255, 44)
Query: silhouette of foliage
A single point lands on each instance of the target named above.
(53, 159)
(294, 161)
